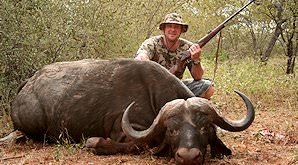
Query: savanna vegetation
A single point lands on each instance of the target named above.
(257, 56)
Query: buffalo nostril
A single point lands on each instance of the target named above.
(185, 156)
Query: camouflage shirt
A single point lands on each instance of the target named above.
(155, 49)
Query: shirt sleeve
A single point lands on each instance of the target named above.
(147, 48)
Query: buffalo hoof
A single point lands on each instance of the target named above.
(101, 146)
(12, 137)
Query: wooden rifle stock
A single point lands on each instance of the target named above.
(210, 35)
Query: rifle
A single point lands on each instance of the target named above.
(211, 34)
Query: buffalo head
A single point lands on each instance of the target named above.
(186, 127)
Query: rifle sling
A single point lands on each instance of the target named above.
(219, 44)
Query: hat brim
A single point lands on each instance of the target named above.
(184, 26)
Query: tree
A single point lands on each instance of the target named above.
(275, 12)
(290, 38)
(283, 14)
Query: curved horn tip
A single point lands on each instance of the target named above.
(245, 98)
(126, 111)
(238, 92)
(243, 124)
(131, 104)
(139, 136)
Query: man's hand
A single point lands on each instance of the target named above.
(195, 52)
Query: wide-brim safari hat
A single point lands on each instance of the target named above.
(174, 18)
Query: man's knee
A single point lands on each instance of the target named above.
(201, 88)
(209, 93)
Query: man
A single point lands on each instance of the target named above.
(167, 50)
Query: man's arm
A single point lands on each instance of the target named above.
(197, 70)
(142, 57)
(146, 50)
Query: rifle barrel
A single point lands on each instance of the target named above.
(237, 12)
(211, 34)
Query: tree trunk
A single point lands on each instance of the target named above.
(271, 44)
(291, 65)
(291, 53)
(277, 32)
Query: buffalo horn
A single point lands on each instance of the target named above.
(144, 135)
(236, 126)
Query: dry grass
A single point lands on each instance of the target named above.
(271, 139)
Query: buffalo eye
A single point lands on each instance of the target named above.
(173, 132)
(203, 131)
(173, 127)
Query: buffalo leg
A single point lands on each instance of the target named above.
(101, 146)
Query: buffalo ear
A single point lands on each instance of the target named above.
(218, 148)
(163, 150)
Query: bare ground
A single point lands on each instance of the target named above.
(271, 139)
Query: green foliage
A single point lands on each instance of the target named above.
(266, 85)
(211, 56)
(36, 33)
(250, 77)
(71, 147)
(262, 83)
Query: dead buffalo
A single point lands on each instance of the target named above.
(122, 106)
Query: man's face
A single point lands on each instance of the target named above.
(172, 31)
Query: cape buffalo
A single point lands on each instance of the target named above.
(122, 106)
